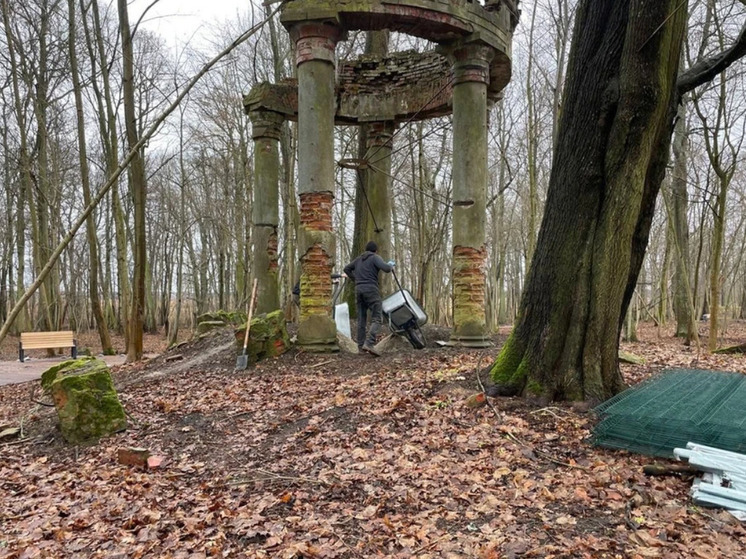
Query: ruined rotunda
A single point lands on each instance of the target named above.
(463, 75)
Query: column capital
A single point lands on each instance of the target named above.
(380, 133)
(316, 40)
(266, 124)
(471, 62)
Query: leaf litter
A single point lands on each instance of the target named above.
(308, 456)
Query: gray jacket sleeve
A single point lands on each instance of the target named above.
(350, 269)
(381, 265)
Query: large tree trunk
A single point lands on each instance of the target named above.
(614, 134)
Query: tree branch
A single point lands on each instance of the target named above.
(706, 69)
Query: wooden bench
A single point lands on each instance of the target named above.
(47, 340)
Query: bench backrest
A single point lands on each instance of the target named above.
(44, 340)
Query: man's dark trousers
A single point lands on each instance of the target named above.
(368, 297)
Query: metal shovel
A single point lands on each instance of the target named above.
(243, 360)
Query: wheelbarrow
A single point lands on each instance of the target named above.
(405, 316)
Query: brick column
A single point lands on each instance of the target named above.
(265, 213)
(315, 44)
(471, 78)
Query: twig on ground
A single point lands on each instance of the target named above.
(431, 544)
(546, 456)
(32, 396)
(706, 515)
(321, 364)
(23, 420)
(18, 516)
(481, 387)
(273, 475)
(342, 540)
(628, 520)
(14, 443)
(132, 417)
(549, 410)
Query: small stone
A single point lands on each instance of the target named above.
(155, 462)
(393, 343)
(346, 345)
(177, 357)
(9, 433)
(476, 400)
(132, 456)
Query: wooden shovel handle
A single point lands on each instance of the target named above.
(251, 312)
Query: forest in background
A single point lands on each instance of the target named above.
(198, 172)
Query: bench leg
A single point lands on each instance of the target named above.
(20, 352)
(74, 352)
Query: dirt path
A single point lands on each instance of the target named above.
(13, 372)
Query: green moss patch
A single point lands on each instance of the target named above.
(87, 404)
(268, 336)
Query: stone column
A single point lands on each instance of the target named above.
(378, 181)
(265, 212)
(315, 43)
(471, 78)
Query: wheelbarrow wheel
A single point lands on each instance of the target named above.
(416, 337)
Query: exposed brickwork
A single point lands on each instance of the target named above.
(394, 87)
(316, 211)
(468, 286)
(316, 263)
(399, 86)
(385, 74)
(272, 251)
(315, 285)
(315, 41)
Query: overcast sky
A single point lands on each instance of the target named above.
(179, 20)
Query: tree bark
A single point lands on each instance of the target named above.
(614, 134)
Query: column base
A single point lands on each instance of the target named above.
(469, 341)
(318, 334)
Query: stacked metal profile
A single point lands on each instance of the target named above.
(724, 481)
(673, 408)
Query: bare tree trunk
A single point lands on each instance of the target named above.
(103, 331)
(683, 299)
(533, 148)
(110, 142)
(137, 188)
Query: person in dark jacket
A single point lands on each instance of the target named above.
(364, 272)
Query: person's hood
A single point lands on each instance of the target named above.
(367, 254)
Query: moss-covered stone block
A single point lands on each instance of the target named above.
(225, 317)
(208, 326)
(631, 358)
(87, 404)
(268, 336)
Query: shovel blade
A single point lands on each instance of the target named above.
(242, 362)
